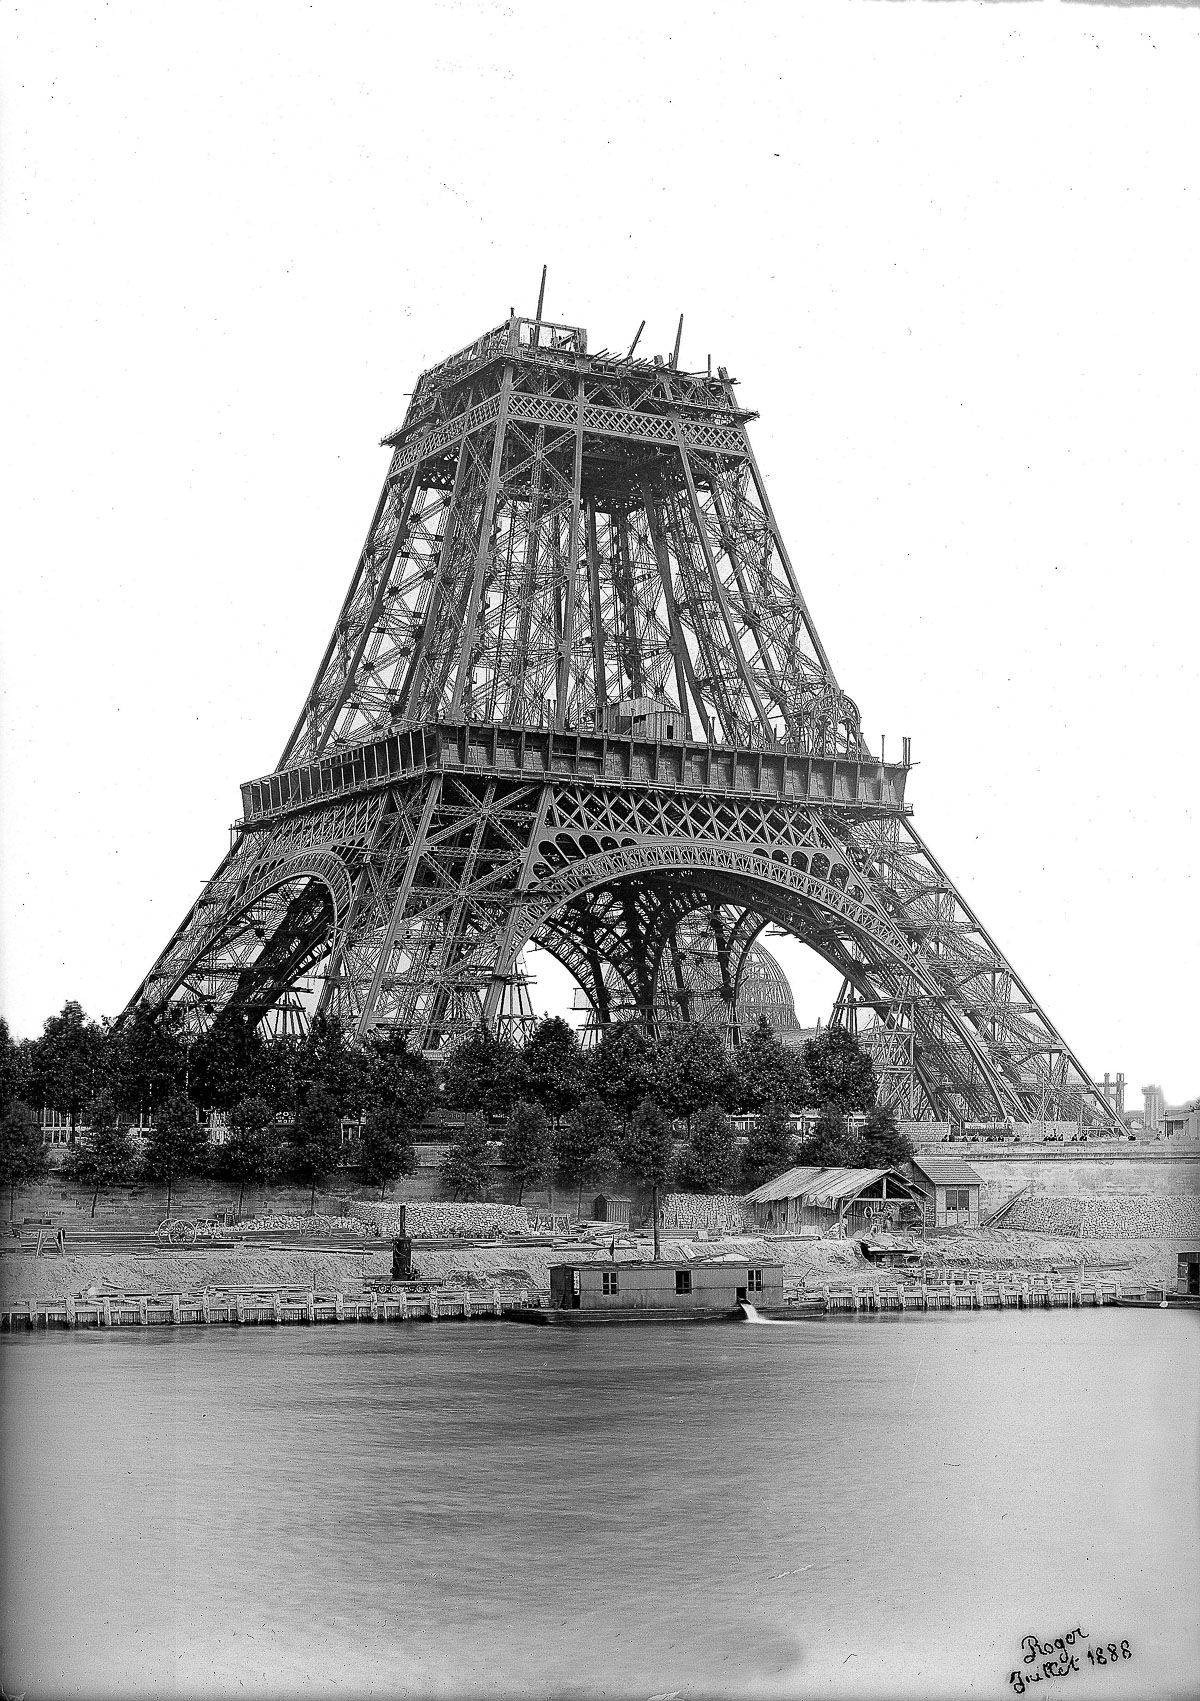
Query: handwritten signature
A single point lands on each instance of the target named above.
(1059, 1657)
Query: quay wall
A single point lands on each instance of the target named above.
(1074, 1173)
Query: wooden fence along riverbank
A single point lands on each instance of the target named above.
(112, 1311)
(977, 1296)
(408, 1305)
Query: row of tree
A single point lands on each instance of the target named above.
(560, 1114)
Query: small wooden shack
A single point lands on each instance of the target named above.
(1188, 1278)
(950, 1191)
(610, 1208)
(716, 1285)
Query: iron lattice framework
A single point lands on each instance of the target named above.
(575, 697)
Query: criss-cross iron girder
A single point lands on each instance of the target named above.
(574, 695)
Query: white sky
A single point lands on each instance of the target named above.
(951, 252)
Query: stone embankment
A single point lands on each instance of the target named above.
(1123, 1215)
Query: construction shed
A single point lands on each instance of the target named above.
(610, 1208)
(704, 1286)
(816, 1200)
(950, 1192)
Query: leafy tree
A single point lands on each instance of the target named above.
(691, 1070)
(278, 1074)
(485, 1073)
(104, 1157)
(839, 1072)
(318, 1138)
(145, 1060)
(553, 1064)
(768, 1071)
(525, 1146)
(253, 1151)
(177, 1146)
(14, 1067)
(226, 1063)
(398, 1086)
(467, 1167)
(23, 1157)
(585, 1144)
(327, 1059)
(395, 1076)
(770, 1148)
(649, 1151)
(618, 1069)
(709, 1162)
(386, 1143)
(881, 1144)
(66, 1061)
(830, 1141)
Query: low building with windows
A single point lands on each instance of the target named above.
(712, 1285)
(819, 1200)
(950, 1191)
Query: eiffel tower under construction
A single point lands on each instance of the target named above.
(575, 698)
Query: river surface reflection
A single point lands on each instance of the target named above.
(853, 1506)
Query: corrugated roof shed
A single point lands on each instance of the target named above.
(815, 1185)
(947, 1172)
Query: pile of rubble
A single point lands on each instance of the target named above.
(1131, 1216)
(317, 1224)
(433, 1221)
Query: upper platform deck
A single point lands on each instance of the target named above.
(770, 771)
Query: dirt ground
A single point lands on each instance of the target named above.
(815, 1262)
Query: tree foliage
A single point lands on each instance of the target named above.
(648, 1151)
(318, 1137)
(770, 1147)
(227, 1063)
(177, 1146)
(618, 1069)
(484, 1073)
(386, 1147)
(66, 1061)
(709, 1161)
(585, 1145)
(691, 1069)
(327, 1060)
(14, 1069)
(23, 1158)
(553, 1066)
(840, 1074)
(468, 1169)
(768, 1072)
(526, 1146)
(881, 1144)
(830, 1141)
(253, 1152)
(104, 1157)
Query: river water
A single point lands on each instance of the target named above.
(848, 1506)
